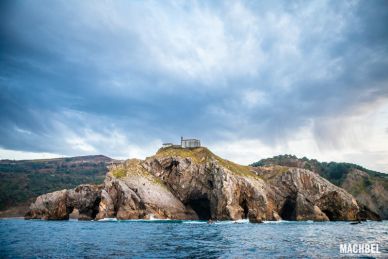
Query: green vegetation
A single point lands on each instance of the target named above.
(360, 186)
(129, 167)
(280, 169)
(332, 171)
(22, 181)
(134, 167)
(197, 155)
(203, 155)
(119, 172)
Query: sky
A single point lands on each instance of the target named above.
(250, 79)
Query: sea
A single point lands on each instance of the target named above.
(113, 238)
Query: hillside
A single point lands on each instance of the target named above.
(22, 181)
(193, 183)
(367, 186)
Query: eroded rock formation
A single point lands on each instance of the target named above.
(60, 204)
(196, 184)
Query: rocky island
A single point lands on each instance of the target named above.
(194, 183)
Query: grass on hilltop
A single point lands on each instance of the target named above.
(201, 155)
(133, 167)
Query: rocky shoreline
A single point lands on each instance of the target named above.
(191, 184)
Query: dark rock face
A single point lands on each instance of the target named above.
(196, 184)
(86, 199)
(365, 213)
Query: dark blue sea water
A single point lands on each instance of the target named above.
(171, 239)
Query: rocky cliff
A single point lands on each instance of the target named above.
(368, 187)
(179, 183)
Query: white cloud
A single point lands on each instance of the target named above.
(252, 98)
(200, 43)
(21, 155)
(272, 78)
(357, 142)
(99, 136)
(80, 145)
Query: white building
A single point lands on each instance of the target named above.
(185, 143)
(167, 144)
(190, 143)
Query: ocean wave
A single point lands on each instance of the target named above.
(108, 219)
(194, 222)
(276, 222)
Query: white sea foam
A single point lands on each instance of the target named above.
(108, 219)
(152, 217)
(241, 221)
(275, 222)
(194, 222)
(220, 222)
(156, 219)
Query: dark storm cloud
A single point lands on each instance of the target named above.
(71, 70)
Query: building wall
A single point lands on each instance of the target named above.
(187, 143)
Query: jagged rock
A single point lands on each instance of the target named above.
(86, 199)
(374, 195)
(196, 184)
(60, 204)
(368, 187)
(49, 206)
(365, 213)
(211, 189)
(139, 195)
(303, 195)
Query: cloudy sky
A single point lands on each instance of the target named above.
(251, 79)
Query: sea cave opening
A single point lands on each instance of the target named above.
(72, 212)
(96, 207)
(201, 206)
(288, 210)
(329, 214)
(244, 206)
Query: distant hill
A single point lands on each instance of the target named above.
(367, 186)
(23, 180)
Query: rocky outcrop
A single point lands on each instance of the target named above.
(370, 188)
(210, 188)
(60, 204)
(196, 184)
(139, 195)
(302, 195)
(49, 206)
